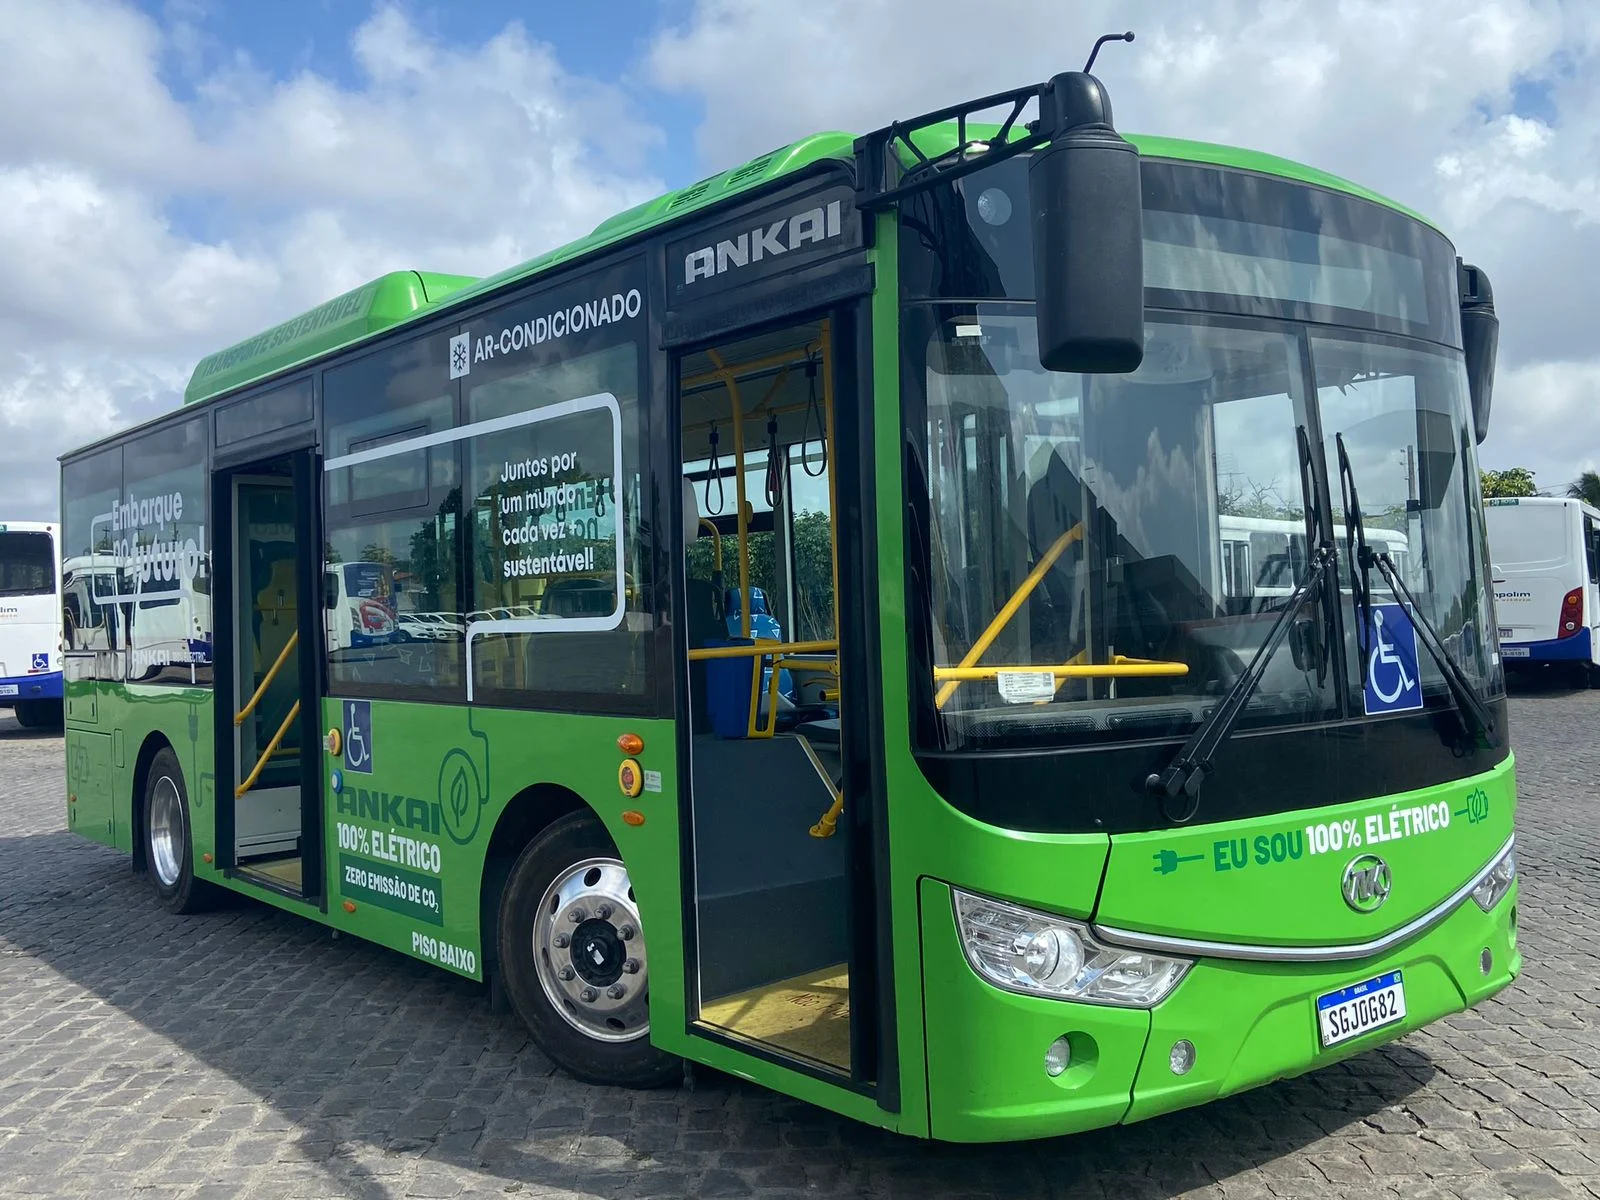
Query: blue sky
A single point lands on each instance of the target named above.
(603, 39)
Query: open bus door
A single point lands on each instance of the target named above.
(783, 938)
(268, 609)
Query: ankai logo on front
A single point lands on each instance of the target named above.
(1366, 883)
(816, 225)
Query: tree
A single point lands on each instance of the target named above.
(1586, 487)
(1513, 481)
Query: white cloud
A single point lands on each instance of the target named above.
(1414, 99)
(138, 232)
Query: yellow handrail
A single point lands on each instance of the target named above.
(1003, 617)
(716, 548)
(762, 648)
(262, 690)
(1121, 669)
(272, 748)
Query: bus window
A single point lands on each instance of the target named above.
(27, 564)
(163, 554)
(392, 522)
(559, 564)
(91, 488)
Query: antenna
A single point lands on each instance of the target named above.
(1104, 38)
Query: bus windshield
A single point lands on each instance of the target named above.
(27, 564)
(1108, 553)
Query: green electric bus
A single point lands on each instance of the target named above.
(983, 626)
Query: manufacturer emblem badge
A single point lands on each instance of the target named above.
(1366, 883)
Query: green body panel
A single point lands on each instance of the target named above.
(986, 1048)
(1229, 882)
(442, 777)
(1253, 1023)
(108, 737)
(368, 309)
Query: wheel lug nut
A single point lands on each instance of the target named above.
(627, 932)
(577, 916)
(589, 995)
(566, 974)
(563, 941)
(631, 966)
(603, 912)
(616, 991)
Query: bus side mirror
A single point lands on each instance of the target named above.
(1084, 201)
(1480, 340)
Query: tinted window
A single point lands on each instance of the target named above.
(164, 555)
(27, 564)
(265, 413)
(560, 603)
(391, 590)
(90, 573)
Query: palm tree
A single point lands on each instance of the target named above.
(1586, 487)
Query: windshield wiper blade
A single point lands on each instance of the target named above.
(1360, 554)
(1476, 719)
(1475, 716)
(1189, 768)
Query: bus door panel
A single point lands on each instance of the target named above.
(272, 701)
(771, 957)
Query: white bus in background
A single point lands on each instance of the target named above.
(1264, 557)
(361, 605)
(30, 623)
(154, 628)
(1546, 555)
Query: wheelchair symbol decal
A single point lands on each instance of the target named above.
(1392, 683)
(358, 736)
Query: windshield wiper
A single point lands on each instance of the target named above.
(1476, 719)
(1188, 770)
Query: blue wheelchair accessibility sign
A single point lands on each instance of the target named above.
(1393, 683)
(41, 662)
(358, 736)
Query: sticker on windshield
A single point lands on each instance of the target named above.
(1026, 687)
(1393, 683)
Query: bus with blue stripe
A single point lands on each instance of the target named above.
(30, 623)
(1546, 555)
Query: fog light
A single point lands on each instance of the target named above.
(1181, 1060)
(1058, 1058)
(1486, 961)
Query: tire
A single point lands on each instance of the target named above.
(38, 714)
(168, 848)
(569, 890)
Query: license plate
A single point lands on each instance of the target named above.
(8, 689)
(1360, 1008)
(1514, 651)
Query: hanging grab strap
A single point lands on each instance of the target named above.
(715, 477)
(814, 411)
(774, 466)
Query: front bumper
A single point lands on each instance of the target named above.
(1250, 1023)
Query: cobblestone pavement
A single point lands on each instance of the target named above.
(248, 1053)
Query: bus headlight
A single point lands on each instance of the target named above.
(1041, 954)
(1494, 885)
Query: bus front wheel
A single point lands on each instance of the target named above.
(168, 848)
(572, 957)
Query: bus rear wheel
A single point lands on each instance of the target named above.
(572, 957)
(38, 714)
(168, 847)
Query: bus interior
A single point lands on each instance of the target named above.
(772, 944)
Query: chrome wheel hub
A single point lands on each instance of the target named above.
(166, 832)
(588, 947)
